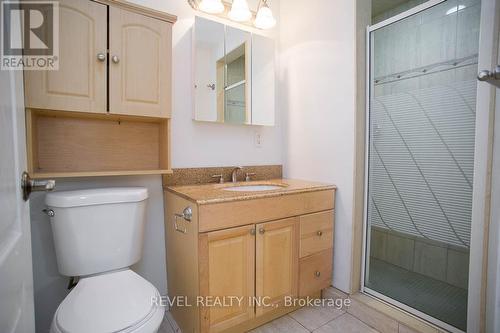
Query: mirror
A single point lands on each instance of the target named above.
(237, 94)
(234, 75)
(209, 68)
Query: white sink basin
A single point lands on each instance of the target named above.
(252, 188)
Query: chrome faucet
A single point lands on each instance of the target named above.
(234, 174)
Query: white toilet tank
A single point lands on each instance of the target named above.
(97, 230)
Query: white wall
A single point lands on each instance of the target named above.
(194, 144)
(318, 78)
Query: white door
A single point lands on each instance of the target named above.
(16, 277)
(484, 281)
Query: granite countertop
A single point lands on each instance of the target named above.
(215, 193)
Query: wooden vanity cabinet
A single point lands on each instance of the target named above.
(227, 266)
(289, 255)
(276, 268)
(138, 62)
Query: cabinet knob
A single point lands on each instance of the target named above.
(317, 273)
(101, 57)
(262, 231)
(319, 233)
(115, 59)
(252, 232)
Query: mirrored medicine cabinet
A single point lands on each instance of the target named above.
(234, 75)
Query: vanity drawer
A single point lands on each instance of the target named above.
(315, 272)
(316, 232)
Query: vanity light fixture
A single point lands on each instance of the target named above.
(211, 6)
(239, 11)
(264, 19)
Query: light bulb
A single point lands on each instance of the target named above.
(265, 19)
(211, 6)
(239, 11)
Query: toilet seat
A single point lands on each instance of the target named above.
(114, 302)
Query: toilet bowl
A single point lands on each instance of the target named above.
(114, 302)
(98, 234)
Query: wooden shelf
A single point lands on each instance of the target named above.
(75, 144)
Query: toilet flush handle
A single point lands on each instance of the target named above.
(49, 212)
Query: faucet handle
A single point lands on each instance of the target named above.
(221, 178)
(248, 175)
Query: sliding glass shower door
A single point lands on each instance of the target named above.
(420, 160)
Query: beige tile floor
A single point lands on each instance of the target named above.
(305, 320)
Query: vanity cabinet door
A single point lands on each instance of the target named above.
(140, 64)
(227, 268)
(80, 82)
(277, 260)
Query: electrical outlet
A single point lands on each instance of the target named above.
(258, 140)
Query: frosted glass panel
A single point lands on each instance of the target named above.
(421, 157)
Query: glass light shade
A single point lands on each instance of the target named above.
(211, 6)
(265, 19)
(239, 11)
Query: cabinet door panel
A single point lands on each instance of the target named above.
(227, 268)
(80, 82)
(277, 259)
(140, 78)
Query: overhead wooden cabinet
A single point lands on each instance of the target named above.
(80, 82)
(106, 111)
(138, 61)
(140, 65)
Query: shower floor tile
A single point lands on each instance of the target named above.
(433, 297)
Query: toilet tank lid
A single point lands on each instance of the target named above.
(99, 196)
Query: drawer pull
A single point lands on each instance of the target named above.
(317, 273)
(319, 233)
(262, 231)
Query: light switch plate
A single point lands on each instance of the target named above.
(258, 139)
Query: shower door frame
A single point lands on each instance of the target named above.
(473, 255)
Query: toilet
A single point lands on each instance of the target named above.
(98, 235)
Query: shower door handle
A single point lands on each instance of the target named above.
(492, 77)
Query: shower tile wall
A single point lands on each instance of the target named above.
(434, 259)
(397, 10)
(428, 38)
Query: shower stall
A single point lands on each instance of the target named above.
(420, 159)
